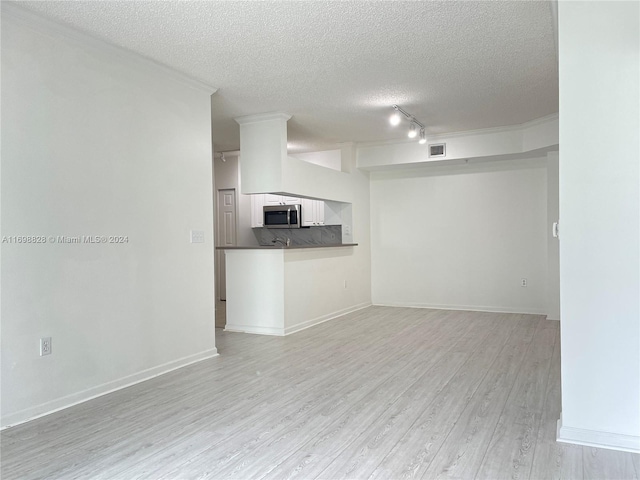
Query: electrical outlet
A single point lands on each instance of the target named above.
(45, 346)
(523, 282)
(197, 236)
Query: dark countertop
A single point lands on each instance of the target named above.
(291, 247)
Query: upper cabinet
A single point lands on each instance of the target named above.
(312, 210)
(271, 199)
(257, 217)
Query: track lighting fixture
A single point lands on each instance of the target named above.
(396, 118)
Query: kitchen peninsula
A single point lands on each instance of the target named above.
(278, 290)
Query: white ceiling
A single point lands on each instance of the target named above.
(337, 67)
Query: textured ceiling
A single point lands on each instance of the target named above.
(337, 67)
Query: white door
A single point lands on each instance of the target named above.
(226, 233)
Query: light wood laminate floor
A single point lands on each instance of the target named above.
(382, 393)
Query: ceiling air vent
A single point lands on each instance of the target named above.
(437, 150)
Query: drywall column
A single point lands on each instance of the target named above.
(600, 223)
(553, 246)
(263, 143)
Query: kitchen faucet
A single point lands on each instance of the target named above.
(284, 243)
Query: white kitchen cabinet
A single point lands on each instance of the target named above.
(319, 212)
(291, 200)
(257, 218)
(271, 199)
(312, 212)
(260, 200)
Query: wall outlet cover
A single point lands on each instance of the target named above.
(45, 346)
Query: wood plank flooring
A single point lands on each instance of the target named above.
(382, 393)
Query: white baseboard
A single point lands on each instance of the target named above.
(281, 332)
(594, 438)
(324, 318)
(67, 401)
(553, 318)
(255, 329)
(466, 308)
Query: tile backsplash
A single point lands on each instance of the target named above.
(326, 235)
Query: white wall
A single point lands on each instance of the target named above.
(323, 295)
(600, 222)
(327, 158)
(255, 293)
(96, 141)
(334, 283)
(530, 139)
(282, 291)
(461, 237)
(304, 179)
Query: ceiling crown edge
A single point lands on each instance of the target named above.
(14, 12)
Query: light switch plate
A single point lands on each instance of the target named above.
(197, 236)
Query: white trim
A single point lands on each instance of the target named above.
(469, 308)
(552, 318)
(262, 117)
(48, 26)
(504, 129)
(281, 332)
(465, 133)
(254, 329)
(490, 163)
(324, 318)
(595, 438)
(67, 401)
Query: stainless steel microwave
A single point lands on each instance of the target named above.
(282, 216)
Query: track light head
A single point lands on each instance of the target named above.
(423, 137)
(395, 117)
(412, 131)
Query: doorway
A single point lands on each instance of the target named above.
(226, 236)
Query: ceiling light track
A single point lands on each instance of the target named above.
(396, 117)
